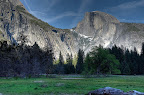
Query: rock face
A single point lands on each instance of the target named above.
(94, 21)
(100, 28)
(17, 25)
(113, 91)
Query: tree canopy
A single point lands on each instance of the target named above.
(100, 61)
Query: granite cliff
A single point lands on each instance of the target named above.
(98, 28)
(17, 24)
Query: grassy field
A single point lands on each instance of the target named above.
(58, 85)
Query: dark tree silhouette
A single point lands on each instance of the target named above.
(79, 65)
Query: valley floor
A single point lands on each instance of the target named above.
(68, 85)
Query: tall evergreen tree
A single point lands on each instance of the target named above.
(142, 50)
(142, 60)
(125, 69)
(69, 67)
(79, 65)
(60, 66)
(61, 60)
(88, 65)
(47, 61)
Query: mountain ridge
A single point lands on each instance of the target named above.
(109, 32)
(96, 28)
(17, 22)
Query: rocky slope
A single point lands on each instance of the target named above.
(18, 26)
(100, 28)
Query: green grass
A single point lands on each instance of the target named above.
(58, 85)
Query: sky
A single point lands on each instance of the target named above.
(66, 14)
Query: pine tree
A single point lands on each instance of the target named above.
(79, 65)
(69, 67)
(61, 60)
(142, 60)
(36, 67)
(72, 68)
(142, 51)
(60, 65)
(87, 65)
(47, 61)
(125, 69)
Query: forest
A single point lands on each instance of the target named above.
(31, 61)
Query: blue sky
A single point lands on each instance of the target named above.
(67, 13)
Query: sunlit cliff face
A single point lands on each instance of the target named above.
(104, 29)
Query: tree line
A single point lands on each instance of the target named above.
(29, 61)
(24, 61)
(131, 62)
(114, 60)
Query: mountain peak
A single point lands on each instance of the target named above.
(93, 21)
(104, 16)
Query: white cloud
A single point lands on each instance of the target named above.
(39, 13)
(132, 21)
(43, 14)
(128, 5)
(51, 3)
(29, 9)
(84, 4)
(65, 14)
(129, 11)
(77, 15)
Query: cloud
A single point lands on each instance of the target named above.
(132, 21)
(65, 14)
(29, 9)
(51, 3)
(41, 13)
(131, 6)
(84, 4)
(129, 11)
(77, 15)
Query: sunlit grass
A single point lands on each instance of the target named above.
(57, 85)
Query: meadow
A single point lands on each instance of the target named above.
(68, 84)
